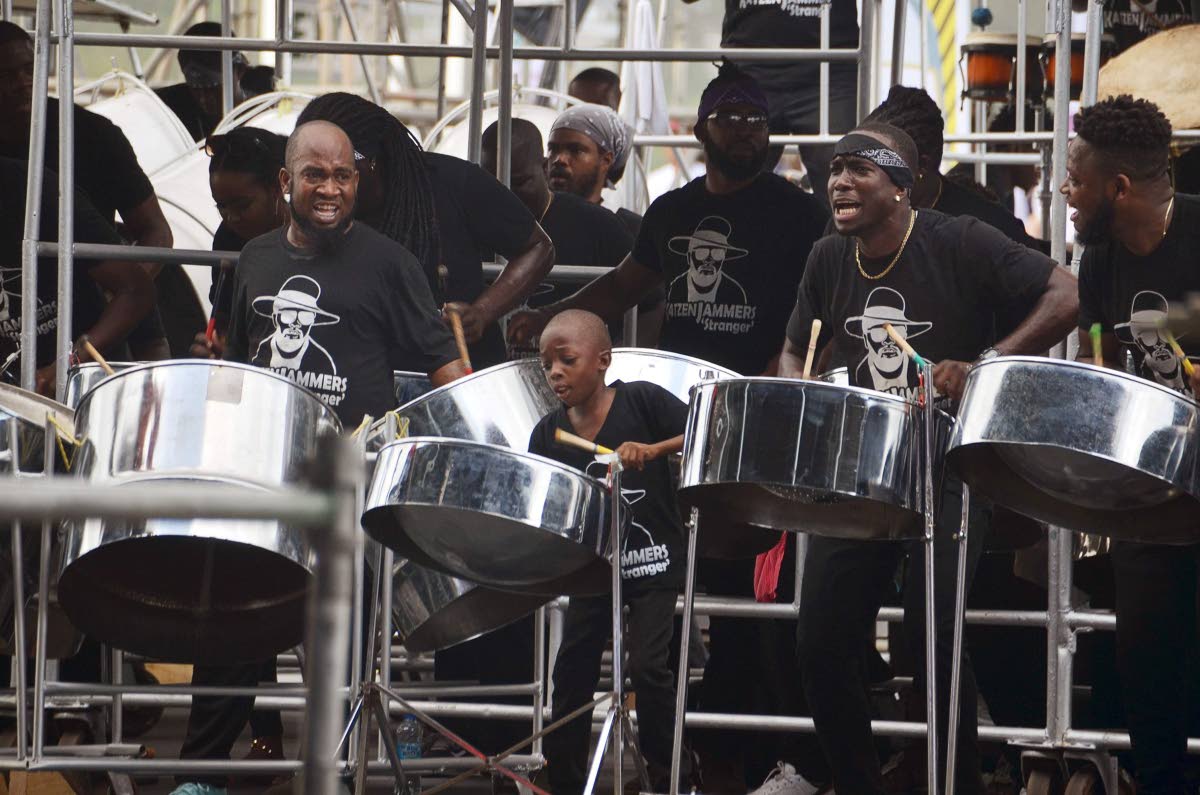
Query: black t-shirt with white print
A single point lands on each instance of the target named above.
(730, 264)
(952, 276)
(1130, 21)
(652, 554)
(1128, 295)
(337, 323)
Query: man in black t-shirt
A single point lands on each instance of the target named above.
(793, 88)
(107, 170)
(198, 101)
(449, 213)
(1130, 21)
(106, 323)
(643, 423)
(937, 280)
(735, 207)
(583, 233)
(1141, 242)
(330, 303)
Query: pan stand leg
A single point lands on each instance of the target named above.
(960, 607)
(616, 719)
(631, 733)
(685, 639)
(930, 612)
(379, 709)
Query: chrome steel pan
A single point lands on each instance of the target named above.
(410, 386)
(805, 456)
(22, 452)
(723, 535)
(432, 610)
(1081, 447)
(491, 515)
(206, 591)
(82, 377)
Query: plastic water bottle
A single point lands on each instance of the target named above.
(408, 746)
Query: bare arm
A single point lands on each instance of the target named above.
(146, 225)
(791, 359)
(447, 373)
(519, 278)
(132, 293)
(1054, 315)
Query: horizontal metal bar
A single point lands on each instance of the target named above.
(1092, 619)
(67, 498)
(1114, 741)
(454, 51)
(105, 251)
(425, 765)
(996, 158)
(567, 274)
(97, 689)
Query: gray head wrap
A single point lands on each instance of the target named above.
(602, 124)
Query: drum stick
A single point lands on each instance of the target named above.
(460, 339)
(571, 440)
(1097, 345)
(812, 347)
(1188, 367)
(87, 345)
(903, 343)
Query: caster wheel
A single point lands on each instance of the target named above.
(1085, 782)
(1044, 782)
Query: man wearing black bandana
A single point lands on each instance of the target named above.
(936, 280)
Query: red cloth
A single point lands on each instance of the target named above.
(766, 571)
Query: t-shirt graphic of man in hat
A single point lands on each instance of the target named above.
(887, 364)
(294, 312)
(707, 250)
(1147, 314)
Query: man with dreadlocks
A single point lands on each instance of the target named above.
(445, 211)
(1141, 238)
(936, 280)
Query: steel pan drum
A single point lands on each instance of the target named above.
(410, 386)
(22, 435)
(207, 591)
(806, 456)
(81, 378)
(1081, 447)
(492, 515)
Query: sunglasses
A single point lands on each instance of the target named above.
(289, 316)
(728, 118)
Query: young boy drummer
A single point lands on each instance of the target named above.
(643, 423)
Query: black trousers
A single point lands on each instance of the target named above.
(586, 629)
(845, 583)
(1156, 653)
(216, 722)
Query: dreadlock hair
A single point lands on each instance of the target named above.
(408, 215)
(915, 112)
(10, 32)
(1133, 136)
(248, 150)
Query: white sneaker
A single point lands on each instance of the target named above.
(784, 780)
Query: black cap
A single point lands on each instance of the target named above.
(202, 68)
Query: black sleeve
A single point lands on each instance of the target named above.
(498, 221)
(810, 299)
(416, 325)
(541, 438)
(1091, 300)
(129, 185)
(90, 226)
(668, 414)
(1008, 271)
(645, 248)
(237, 341)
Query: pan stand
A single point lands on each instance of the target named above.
(617, 721)
(960, 598)
(930, 612)
(681, 681)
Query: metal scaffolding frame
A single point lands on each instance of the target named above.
(52, 499)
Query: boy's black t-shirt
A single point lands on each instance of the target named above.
(652, 556)
(730, 265)
(1128, 295)
(337, 323)
(942, 295)
(89, 227)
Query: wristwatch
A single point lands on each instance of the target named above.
(988, 353)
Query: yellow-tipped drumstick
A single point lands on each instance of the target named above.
(571, 440)
(1188, 367)
(903, 343)
(812, 347)
(1097, 345)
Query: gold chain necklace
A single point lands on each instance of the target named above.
(1167, 215)
(912, 220)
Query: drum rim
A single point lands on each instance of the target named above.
(656, 353)
(981, 38)
(858, 390)
(164, 364)
(1052, 38)
(1087, 367)
(466, 379)
(469, 443)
